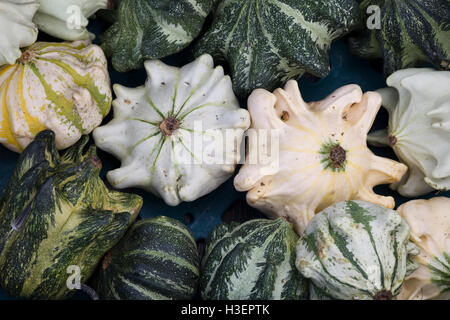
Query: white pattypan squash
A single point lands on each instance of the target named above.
(63, 87)
(16, 28)
(418, 102)
(429, 221)
(178, 136)
(68, 19)
(323, 156)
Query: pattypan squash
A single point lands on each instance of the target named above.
(430, 231)
(64, 87)
(356, 250)
(17, 28)
(405, 33)
(319, 154)
(148, 29)
(267, 42)
(418, 102)
(68, 19)
(178, 136)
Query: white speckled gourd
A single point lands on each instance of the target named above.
(429, 221)
(418, 102)
(179, 136)
(356, 250)
(323, 156)
(17, 28)
(63, 87)
(68, 19)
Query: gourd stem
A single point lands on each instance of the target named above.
(26, 57)
(89, 291)
(383, 295)
(392, 140)
(169, 125)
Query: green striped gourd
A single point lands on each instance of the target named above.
(57, 215)
(410, 33)
(252, 261)
(429, 221)
(148, 29)
(68, 19)
(156, 260)
(63, 87)
(267, 42)
(356, 250)
(17, 28)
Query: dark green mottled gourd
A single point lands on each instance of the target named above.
(149, 29)
(156, 260)
(268, 42)
(55, 213)
(252, 261)
(412, 33)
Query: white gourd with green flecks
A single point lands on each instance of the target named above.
(429, 221)
(16, 28)
(418, 102)
(64, 87)
(178, 136)
(356, 250)
(68, 19)
(320, 154)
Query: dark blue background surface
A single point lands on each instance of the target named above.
(208, 211)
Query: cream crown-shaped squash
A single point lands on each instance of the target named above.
(178, 136)
(63, 87)
(418, 102)
(323, 156)
(429, 221)
(68, 19)
(16, 28)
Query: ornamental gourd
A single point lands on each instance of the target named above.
(147, 29)
(57, 213)
(18, 29)
(411, 33)
(156, 260)
(419, 128)
(429, 221)
(267, 43)
(68, 19)
(356, 250)
(63, 87)
(178, 136)
(252, 261)
(316, 153)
